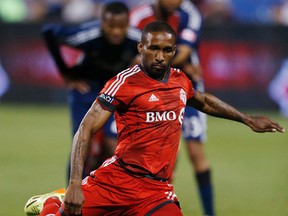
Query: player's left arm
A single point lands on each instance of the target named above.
(213, 106)
(190, 25)
(183, 53)
(181, 59)
(186, 53)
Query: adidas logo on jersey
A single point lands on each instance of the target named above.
(153, 98)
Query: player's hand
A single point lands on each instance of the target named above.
(79, 85)
(263, 124)
(74, 199)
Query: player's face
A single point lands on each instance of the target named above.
(170, 5)
(115, 27)
(157, 50)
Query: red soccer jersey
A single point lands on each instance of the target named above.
(149, 116)
(144, 14)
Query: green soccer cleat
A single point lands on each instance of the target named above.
(35, 204)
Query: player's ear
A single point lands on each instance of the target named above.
(140, 47)
(174, 50)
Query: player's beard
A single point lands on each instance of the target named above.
(157, 71)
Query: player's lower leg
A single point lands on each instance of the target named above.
(205, 189)
(202, 175)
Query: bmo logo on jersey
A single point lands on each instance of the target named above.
(107, 98)
(165, 116)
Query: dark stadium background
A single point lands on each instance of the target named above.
(238, 60)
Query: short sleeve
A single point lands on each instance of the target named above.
(117, 91)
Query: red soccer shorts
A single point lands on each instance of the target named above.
(112, 191)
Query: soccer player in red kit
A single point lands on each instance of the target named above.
(184, 17)
(148, 101)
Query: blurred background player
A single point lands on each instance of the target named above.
(108, 46)
(278, 88)
(186, 20)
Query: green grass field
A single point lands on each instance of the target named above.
(250, 170)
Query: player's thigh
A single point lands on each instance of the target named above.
(168, 209)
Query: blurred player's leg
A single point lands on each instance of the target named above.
(202, 175)
(194, 132)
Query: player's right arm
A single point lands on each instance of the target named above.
(92, 122)
(52, 34)
(55, 36)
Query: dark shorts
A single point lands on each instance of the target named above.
(80, 104)
(195, 123)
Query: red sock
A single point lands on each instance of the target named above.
(50, 206)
